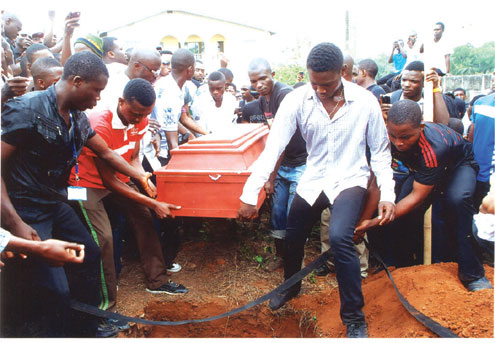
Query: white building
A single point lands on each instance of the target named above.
(207, 37)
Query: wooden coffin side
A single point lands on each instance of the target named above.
(203, 193)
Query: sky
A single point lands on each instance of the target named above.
(373, 24)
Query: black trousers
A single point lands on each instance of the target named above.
(35, 296)
(457, 202)
(345, 212)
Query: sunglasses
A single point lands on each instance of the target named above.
(156, 73)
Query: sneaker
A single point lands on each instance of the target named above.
(121, 325)
(478, 285)
(174, 268)
(170, 287)
(106, 330)
(357, 330)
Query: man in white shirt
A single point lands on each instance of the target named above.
(215, 108)
(144, 63)
(438, 51)
(413, 48)
(170, 101)
(337, 119)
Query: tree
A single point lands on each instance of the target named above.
(288, 73)
(384, 68)
(468, 60)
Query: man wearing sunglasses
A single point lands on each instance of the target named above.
(143, 63)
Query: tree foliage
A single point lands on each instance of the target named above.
(288, 73)
(384, 68)
(468, 60)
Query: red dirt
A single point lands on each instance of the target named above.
(222, 275)
(433, 290)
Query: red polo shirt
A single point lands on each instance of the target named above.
(120, 138)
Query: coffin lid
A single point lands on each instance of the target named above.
(231, 139)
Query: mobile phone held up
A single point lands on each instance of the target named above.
(74, 15)
(385, 99)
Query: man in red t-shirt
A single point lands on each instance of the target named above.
(123, 131)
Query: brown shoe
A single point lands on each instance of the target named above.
(274, 264)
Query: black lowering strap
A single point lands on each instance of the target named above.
(76, 305)
(434, 326)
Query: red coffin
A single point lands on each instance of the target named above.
(206, 175)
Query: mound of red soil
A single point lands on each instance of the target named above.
(434, 290)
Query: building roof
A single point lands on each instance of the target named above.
(191, 14)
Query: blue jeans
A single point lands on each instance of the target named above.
(35, 296)
(345, 212)
(284, 191)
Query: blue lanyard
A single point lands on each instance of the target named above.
(74, 150)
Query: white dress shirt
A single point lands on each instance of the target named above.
(336, 147)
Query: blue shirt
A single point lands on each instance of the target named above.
(483, 119)
(399, 62)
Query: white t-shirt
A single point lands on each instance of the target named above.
(168, 106)
(213, 118)
(434, 54)
(117, 81)
(413, 53)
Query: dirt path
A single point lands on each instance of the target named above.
(223, 269)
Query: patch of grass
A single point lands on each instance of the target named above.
(259, 259)
(312, 277)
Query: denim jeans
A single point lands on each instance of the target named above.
(284, 191)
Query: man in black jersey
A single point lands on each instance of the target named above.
(441, 164)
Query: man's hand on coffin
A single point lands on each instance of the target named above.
(247, 211)
(147, 185)
(162, 209)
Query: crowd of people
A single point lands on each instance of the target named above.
(85, 123)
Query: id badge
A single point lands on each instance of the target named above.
(77, 193)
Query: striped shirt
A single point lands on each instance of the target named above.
(336, 147)
(120, 138)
